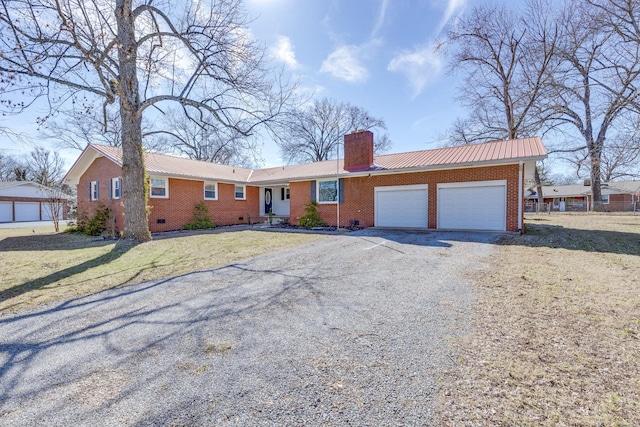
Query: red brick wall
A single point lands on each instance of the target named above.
(101, 170)
(358, 151)
(359, 193)
(184, 194)
(178, 209)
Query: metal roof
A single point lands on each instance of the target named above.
(497, 152)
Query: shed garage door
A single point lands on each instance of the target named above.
(27, 211)
(473, 206)
(401, 206)
(6, 211)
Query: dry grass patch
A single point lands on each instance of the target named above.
(43, 266)
(557, 329)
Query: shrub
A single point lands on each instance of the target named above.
(94, 226)
(312, 217)
(201, 218)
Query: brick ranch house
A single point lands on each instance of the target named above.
(475, 187)
(621, 196)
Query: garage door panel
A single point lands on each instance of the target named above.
(6, 211)
(401, 206)
(27, 211)
(472, 207)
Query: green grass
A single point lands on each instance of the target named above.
(40, 266)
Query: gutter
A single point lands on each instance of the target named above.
(520, 196)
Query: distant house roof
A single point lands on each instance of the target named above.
(579, 190)
(491, 153)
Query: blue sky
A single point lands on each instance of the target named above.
(375, 54)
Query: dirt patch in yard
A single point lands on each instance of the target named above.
(557, 329)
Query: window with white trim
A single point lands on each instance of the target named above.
(327, 191)
(240, 192)
(605, 199)
(94, 190)
(116, 188)
(158, 188)
(287, 193)
(210, 191)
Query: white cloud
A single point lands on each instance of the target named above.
(454, 7)
(345, 63)
(421, 66)
(283, 51)
(381, 15)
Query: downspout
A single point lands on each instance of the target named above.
(520, 196)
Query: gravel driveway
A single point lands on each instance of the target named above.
(350, 330)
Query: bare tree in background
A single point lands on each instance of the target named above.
(595, 85)
(203, 142)
(144, 55)
(44, 167)
(506, 58)
(314, 134)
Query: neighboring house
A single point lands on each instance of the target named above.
(28, 201)
(616, 197)
(474, 187)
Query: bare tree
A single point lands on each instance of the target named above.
(314, 134)
(44, 167)
(143, 55)
(56, 203)
(203, 142)
(77, 128)
(595, 85)
(507, 57)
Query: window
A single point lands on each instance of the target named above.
(94, 190)
(605, 199)
(116, 188)
(158, 187)
(327, 191)
(240, 189)
(556, 202)
(210, 191)
(284, 193)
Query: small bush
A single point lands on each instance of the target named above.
(312, 217)
(201, 218)
(94, 226)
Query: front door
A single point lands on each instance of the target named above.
(268, 201)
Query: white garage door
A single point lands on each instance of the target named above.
(473, 206)
(401, 206)
(27, 211)
(6, 211)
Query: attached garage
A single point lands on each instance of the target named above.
(6, 211)
(27, 211)
(473, 206)
(403, 206)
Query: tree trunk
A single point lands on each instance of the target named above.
(136, 222)
(595, 152)
(539, 190)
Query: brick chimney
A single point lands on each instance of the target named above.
(358, 150)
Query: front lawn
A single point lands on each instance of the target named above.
(557, 329)
(40, 266)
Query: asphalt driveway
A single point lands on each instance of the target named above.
(351, 330)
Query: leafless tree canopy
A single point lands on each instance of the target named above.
(40, 165)
(314, 134)
(570, 67)
(202, 142)
(143, 56)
